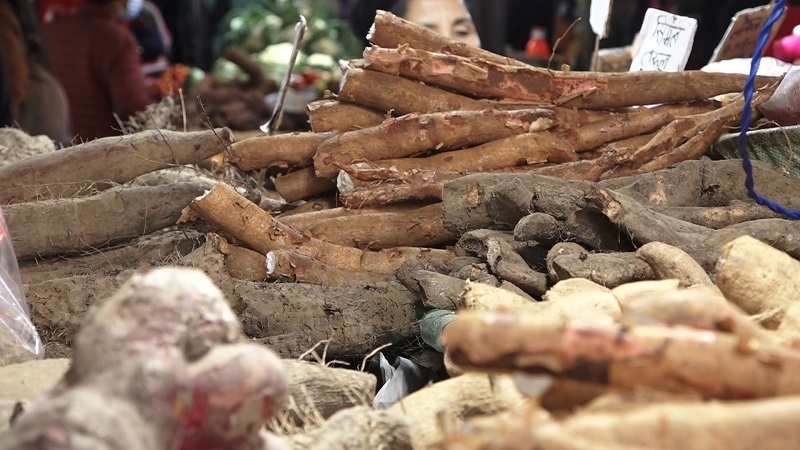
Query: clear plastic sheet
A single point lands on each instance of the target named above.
(19, 340)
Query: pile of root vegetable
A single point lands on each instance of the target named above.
(580, 278)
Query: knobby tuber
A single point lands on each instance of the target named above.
(165, 355)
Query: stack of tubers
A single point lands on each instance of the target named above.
(598, 274)
(434, 110)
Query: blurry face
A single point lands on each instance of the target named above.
(447, 17)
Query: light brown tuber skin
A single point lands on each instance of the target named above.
(472, 76)
(413, 134)
(302, 184)
(283, 151)
(670, 262)
(758, 278)
(666, 425)
(333, 115)
(676, 360)
(446, 403)
(256, 228)
(383, 228)
(391, 31)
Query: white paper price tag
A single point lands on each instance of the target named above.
(598, 16)
(665, 42)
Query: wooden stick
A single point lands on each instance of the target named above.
(413, 134)
(99, 164)
(245, 221)
(283, 151)
(391, 31)
(333, 115)
(302, 184)
(576, 89)
(63, 226)
(286, 265)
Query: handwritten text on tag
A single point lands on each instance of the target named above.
(665, 42)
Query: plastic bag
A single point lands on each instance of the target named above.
(19, 340)
(784, 105)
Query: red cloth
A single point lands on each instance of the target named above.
(791, 18)
(96, 60)
(50, 10)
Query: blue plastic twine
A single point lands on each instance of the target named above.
(749, 90)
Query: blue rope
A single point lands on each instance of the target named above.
(749, 90)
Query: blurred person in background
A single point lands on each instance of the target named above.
(12, 40)
(154, 40)
(6, 118)
(194, 25)
(96, 59)
(38, 102)
(450, 18)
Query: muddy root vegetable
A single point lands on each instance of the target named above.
(99, 164)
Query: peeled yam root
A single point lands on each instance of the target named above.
(691, 425)
(758, 278)
(669, 359)
(166, 354)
